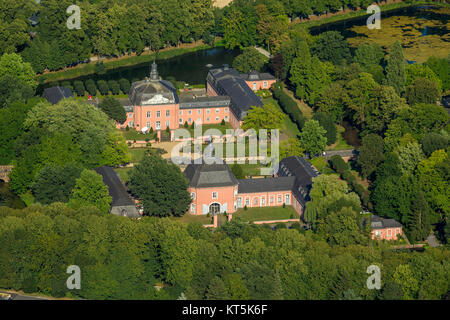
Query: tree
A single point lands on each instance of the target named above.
(79, 88)
(216, 290)
(90, 190)
(371, 154)
(435, 141)
(113, 108)
(238, 171)
(249, 59)
(266, 117)
(312, 138)
(409, 157)
(395, 68)
(338, 164)
(418, 226)
(55, 183)
(102, 86)
(441, 68)
(124, 85)
(114, 87)
(326, 122)
(290, 147)
(422, 91)
(99, 67)
(12, 91)
(161, 187)
(91, 87)
(331, 46)
(13, 66)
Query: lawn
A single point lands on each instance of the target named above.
(266, 213)
(289, 128)
(321, 164)
(220, 127)
(340, 144)
(132, 134)
(123, 174)
(137, 154)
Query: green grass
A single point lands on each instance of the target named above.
(137, 154)
(27, 198)
(132, 134)
(266, 213)
(123, 174)
(220, 127)
(288, 128)
(321, 164)
(340, 144)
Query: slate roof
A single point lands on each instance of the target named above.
(204, 102)
(303, 172)
(209, 175)
(117, 191)
(142, 91)
(56, 94)
(377, 222)
(266, 185)
(256, 76)
(227, 81)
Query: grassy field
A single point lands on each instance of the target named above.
(266, 213)
(321, 164)
(137, 154)
(289, 129)
(340, 144)
(123, 174)
(132, 134)
(188, 218)
(205, 127)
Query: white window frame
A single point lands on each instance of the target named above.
(158, 125)
(149, 114)
(167, 113)
(158, 114)
(193, 195)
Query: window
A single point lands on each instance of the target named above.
(226, 118)
(217, 110)
(190, 112)
(271, 199)
(247, 201)
(254, 85)
(158, 114)
(235, 193)
(193, 195)
(130, 115)
(180, 120)
(207, 119)
(263, 201)
(226, 110)
(239, 202)
(167, 113)
(189, 120)
(158, 125)
(199, 111)
(214, 195)
(149, 114)
(192, 208)
(265, 84)
(199, 120)
(217, 118)
(131, 124)
(255, 201)
(287, 199)
(148, 125)
(208, 111)
(279, 198)
(167, 123)
(377, 233)
(180, 113)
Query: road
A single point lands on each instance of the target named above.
(16, 296)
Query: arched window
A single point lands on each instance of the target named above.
(214, 208)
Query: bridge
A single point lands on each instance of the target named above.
(350, 153)
(4, 172)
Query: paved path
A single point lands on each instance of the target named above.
(342, 153)
(432, 241)
(263, 52)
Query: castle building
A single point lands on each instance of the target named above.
(214, 189)
(155, 103)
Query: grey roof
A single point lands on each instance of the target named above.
(209, 175)
(227, 81)
(377, 222)
(204, 102)
(255, 76)
(118, 192)
(152, 92)
(266, 185)
(56, 94)
(303, 172)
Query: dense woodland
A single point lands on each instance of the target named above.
(393, 106)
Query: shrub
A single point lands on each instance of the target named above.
(103, 87)
(124, 85)
(91, 87)
(79, 87)
(359, 189)
(222, 122)
(114, 87)
(186, 124)
(284, 205)
(67, 84)
(348, 176)
(288, 105)
(245, 207)
(338, 164)
(280, 225)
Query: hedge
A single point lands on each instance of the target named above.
(288, 105)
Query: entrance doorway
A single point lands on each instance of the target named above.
(214, 208)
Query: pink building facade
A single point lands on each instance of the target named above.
(155, 103)
(385, 229)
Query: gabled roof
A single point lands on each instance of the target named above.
(227, 81)
(303, 172)
(377, 222)
(209, 175)
(56, 94)
(266, 185)
(120, 196)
